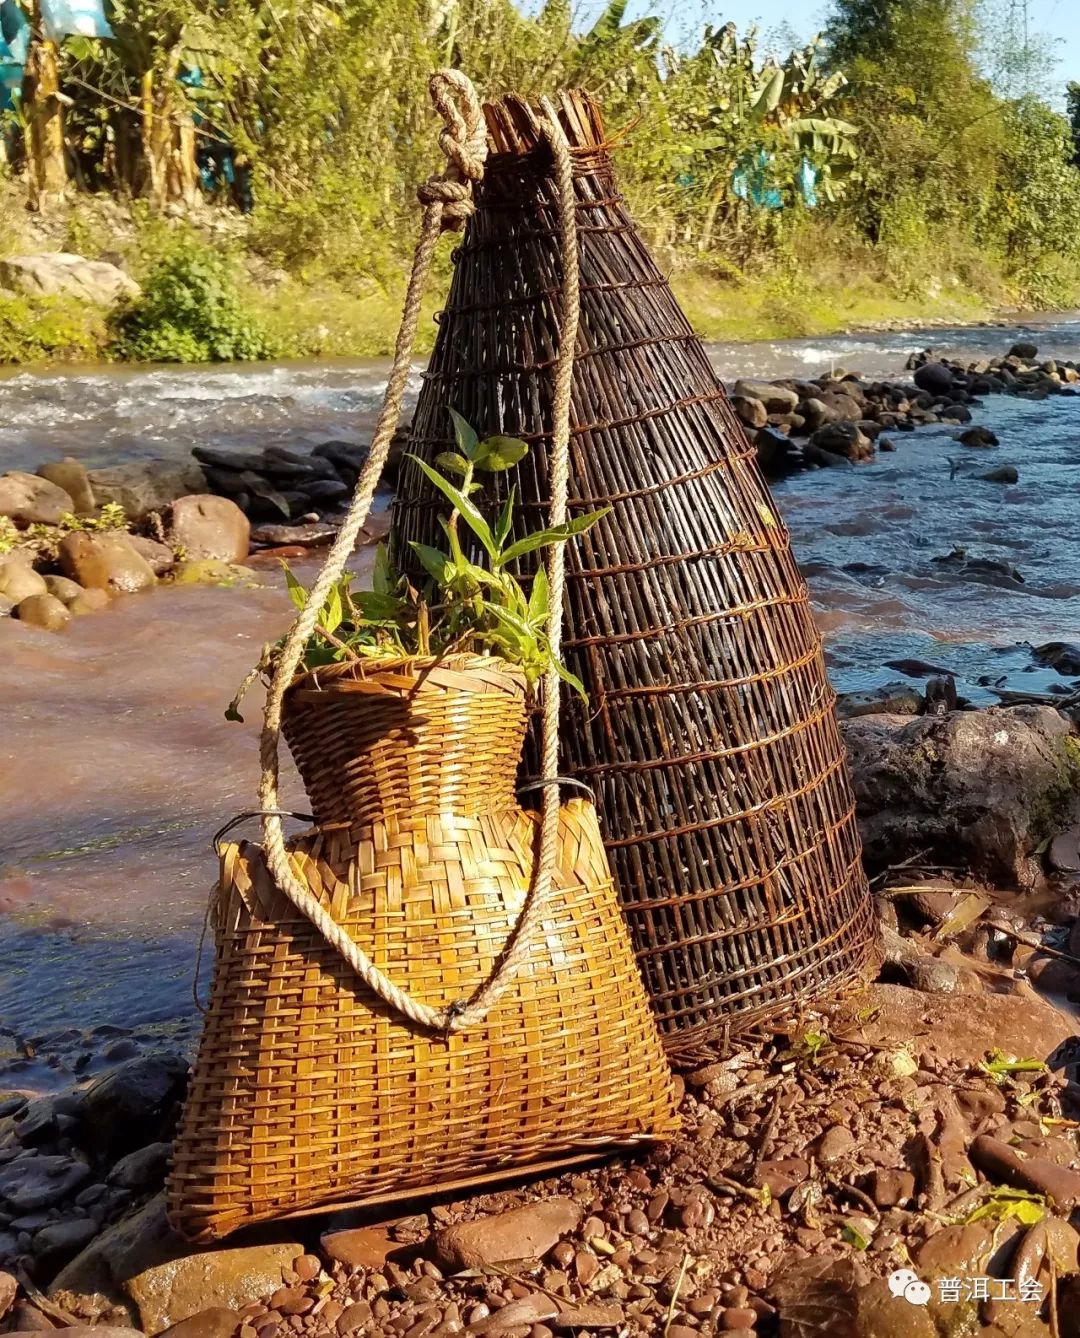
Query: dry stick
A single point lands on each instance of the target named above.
(675, 1294)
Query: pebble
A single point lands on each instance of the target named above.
(307, 1268)
(835, 1144)
(586, 1267)
(738, 1318)
(637, 1223)
(353, 1317)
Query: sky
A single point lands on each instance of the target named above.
(1053, 19)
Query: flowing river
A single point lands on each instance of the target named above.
(117, 762)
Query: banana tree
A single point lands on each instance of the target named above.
(41, 111)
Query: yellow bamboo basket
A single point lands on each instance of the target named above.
(309, 1091)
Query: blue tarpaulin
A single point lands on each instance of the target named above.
(82, 18)
(750, 182)
(14, 33)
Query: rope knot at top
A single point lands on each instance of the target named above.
(464, 142)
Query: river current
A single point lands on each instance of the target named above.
(116, 762)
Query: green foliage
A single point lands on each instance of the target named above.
(45, 329)
(464, 605)
(44, 540)
(190, 311)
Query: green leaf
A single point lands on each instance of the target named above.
(450, 460)
(571, 680)
(467, 510)
(297, 593)
(538, 597)
(437, 565)
(332, 611)
(382, 578)
(466, 438)
(853, 1236)
(494, 454)
(506, 517)
(557, 535)
(375, 606)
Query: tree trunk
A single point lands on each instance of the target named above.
(47, 173)
(168, 139)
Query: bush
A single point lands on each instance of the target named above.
(190, 311)
(49, 329)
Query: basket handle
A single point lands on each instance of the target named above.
(447, 202)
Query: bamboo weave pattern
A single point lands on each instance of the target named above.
(710, 738)
(309, 1091)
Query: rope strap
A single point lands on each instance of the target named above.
(447, 204)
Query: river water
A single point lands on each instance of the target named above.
(117, 763)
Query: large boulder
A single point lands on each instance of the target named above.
(61, 274)
(105, 561)
(776, 399)
(142, 486)
(44, 611)
(978, 788)
(28, 499)
(843, 438)
(133, 1104)
(141, 1266)
(935, 378)
(205, 526)
(71, 475)
(752, 412)
(18, 579)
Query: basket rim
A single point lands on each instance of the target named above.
(491, 673)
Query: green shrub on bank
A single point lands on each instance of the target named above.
(49, 329)
(190, 310)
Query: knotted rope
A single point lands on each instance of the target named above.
(447, 203)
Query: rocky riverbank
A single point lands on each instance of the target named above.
(929, 1123)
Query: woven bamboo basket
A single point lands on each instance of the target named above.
(309, 1092)
(710, 738)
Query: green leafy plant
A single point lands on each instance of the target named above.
(190, 311)
(464, 605)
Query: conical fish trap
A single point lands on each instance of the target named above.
(710, 738)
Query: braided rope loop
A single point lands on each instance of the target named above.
(447, 204)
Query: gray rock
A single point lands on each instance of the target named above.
(43, 611)
(935, 378)
(205, 526)
(978, 436)
(814, 454)
(142, 486)
(62, 588)
(842, 438)
(160, 556)
(132, 1105)
(58, 1242)
(1064, 656)
(142, 1169)
(979, 788)
(28, 499)
(62, 274)
(35, 1182)
(776, 399)
(932, 976)
(752, 412)
(19, 580)
(71, 475)
(1024, 350)
(1003, 474)
(891, 699)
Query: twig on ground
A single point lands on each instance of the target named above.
(669, 1317)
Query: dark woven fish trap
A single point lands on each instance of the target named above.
(309, 1092)
(710, 738)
